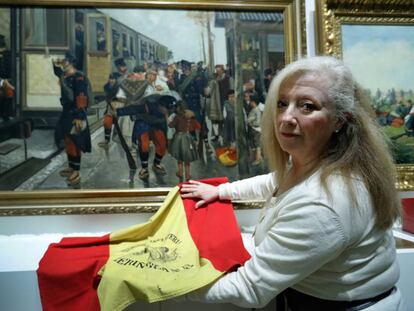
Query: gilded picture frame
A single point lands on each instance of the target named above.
(338, 25)
(110, 200)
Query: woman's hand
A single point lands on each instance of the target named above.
(195, 189)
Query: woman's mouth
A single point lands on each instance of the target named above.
(289, 135)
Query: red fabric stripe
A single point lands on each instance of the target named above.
(215, 231)
(67, 273)
(408, 214)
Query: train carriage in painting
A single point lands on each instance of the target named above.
(36, 35)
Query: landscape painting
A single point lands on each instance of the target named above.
(382, 59)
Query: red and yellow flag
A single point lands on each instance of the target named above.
(178, 250)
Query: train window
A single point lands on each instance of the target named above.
(151, 52)
(100, 37)
(125, 51)
(79, 39)
(97, 40)
(45, 27)
(131, 46)
(115, 42)
(144, 50)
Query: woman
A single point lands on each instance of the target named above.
(183, 145)
(324, 237)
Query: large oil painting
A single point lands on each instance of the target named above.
(167, 93)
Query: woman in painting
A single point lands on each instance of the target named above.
(324, 238)
(183, 145)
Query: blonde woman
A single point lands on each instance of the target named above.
(324, 239)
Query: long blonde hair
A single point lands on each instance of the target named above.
(359, 148)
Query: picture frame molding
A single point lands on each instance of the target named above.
(332, 14)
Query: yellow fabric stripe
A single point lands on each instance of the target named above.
(154, 261)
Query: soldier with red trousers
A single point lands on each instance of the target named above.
(111, 89)
(72, 130)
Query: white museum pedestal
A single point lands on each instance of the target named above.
(24, 239)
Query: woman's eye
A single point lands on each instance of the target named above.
(308, 106)
(281, 104)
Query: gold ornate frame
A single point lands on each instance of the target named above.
(111, 201)
(332, 14)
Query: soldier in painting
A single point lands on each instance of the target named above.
(72, 130)
(130, 91)
(111, 89)
(191, 87)
(150, 125)
(6, 94)
(267, 79)
(230, 119)
(7, 89)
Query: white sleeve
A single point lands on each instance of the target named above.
(258, 187)
(121, 93)
(171, 117)
(1, 82)
(149, 90)
(162, 84)
(261, 107)
(285, 257)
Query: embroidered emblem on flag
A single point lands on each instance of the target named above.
(178, 250)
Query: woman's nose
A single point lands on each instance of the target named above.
(289, 115)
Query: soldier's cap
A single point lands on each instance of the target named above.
(185, 64)
(70, 58)
(138, 69)
(120, 62)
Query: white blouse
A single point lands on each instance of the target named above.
(316, 242)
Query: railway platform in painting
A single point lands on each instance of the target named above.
(101, 169)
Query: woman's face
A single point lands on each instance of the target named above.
(303, 124)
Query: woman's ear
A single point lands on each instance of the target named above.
(341, 121)
(339, 124)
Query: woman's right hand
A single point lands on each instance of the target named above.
(198, 190)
